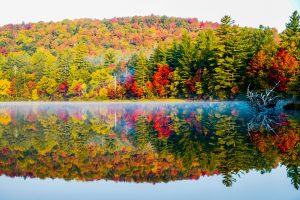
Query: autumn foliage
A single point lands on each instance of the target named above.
(139, 143)
(161, 80)
(145, 57)
(283, 68)
(131, 87)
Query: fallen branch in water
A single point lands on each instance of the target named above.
(261, 101)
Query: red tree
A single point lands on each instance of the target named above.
(283, 68)
(131, 87)
(162, 123)
(161, 79)
(63, 88)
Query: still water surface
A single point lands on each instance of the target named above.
(148, 151)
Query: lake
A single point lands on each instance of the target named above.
(194, 150)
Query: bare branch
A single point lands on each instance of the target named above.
(263, 100)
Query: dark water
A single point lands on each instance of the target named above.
(148, 151)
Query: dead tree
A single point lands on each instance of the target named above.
(265, 100)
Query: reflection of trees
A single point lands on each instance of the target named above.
(139, 144)
(293, 172)
(277, 137)
(267, 120)
(142, 132)
(234, 151)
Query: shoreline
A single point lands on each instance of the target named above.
(118, 101)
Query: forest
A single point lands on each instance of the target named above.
(152, 57)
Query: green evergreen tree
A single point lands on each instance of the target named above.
(80, 56)
(158, 57)
(109, 58)
(204, 55)
(230, 59)
(291, 35)
(142, 73)
(173, 55)
(262, 38)
(186, 61)
(175, 83)
(64, 64)
(142, 131)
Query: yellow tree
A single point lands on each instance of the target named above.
(48, 85)
(4, 87)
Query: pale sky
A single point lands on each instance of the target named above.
(273, 13)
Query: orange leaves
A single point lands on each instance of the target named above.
(136, 40)
(149, 86)
(257, 63)
(283, 67)
(280, 68)
(288, 141)
(258, 70)
(284, 142)
(259, 141)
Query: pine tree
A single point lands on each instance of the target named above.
(158, 57)
(230, 60)
(175, 83)
(186, 61)
(142, 133)
(204, 54)
(291, 35)
(142, 73)
(80, 56)
(64, 64)
(262, 39)
(79, 70)
(173, 55)
(293, 172)
(109, 58)
(38, 61)
(131, 64)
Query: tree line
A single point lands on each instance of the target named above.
(204, 62)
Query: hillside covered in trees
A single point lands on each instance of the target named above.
(146, 57)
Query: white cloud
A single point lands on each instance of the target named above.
(274, 13)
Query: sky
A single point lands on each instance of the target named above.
(252, 185)
(273, 13)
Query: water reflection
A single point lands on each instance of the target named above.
(145, 142)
